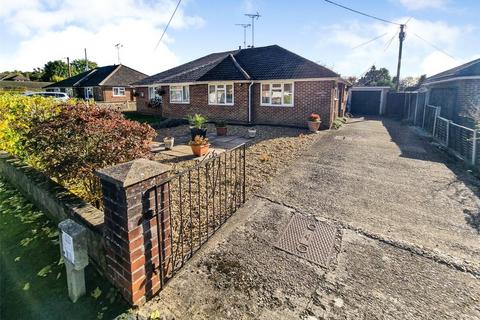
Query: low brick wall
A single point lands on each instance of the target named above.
(57, 203)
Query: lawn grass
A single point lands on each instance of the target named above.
(32, 275)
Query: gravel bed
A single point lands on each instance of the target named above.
(272, 150)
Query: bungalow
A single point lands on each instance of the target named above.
(457, 92)
(16, 77)
(263, 85)
(107, 84)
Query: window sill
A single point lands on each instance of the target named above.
(278, 105)
(186, 102)
(221, 104)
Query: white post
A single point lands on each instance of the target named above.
(474, 147)
(448, 132)
(435, 121)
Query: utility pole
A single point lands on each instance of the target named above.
(401, 37)
(69, 68)
(118, 46)
(86, 60)
(253, 16)
(244, 26)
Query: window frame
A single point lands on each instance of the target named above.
(187, 101)
(154, 91)
(86, 95)
(224, 85)
(118, 95)
(270, 84)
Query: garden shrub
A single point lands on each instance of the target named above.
(79, 139)
(17, 116)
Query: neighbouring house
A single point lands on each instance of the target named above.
(457, 92)
(16, 77)
(104, 84)
(263, 85)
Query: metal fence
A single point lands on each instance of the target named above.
(192, 205)
(459, 139)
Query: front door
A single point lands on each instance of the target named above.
(88, 93)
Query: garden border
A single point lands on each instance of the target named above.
(57, 203)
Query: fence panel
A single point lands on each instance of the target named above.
(199, 201)
(442, 130)
(461, 140)
(420, 105)
(429, 118)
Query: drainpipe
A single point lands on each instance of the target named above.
(250, 102)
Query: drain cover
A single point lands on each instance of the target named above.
(309, 239)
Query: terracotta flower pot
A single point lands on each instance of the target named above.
(221, 131)
(200, 150)
(313, 126)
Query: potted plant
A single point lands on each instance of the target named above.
(314, 122)
(221, 127)
(199, 145)
(168, 141)
(197, 126)
(252, 132)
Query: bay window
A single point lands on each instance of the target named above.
(220, 94)
(179, 94)
(276, 94)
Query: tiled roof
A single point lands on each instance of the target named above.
(262, 63)
(468, 69)
(113, 75)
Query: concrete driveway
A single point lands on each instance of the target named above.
(408, 244)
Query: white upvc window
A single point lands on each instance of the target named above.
(220, 94)
(88, 93)
(276, 94)
(180, 94)
(56, 89)
(153, 93)
(118, 91)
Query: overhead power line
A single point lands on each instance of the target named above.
(433, 46)
(369, 41)
(387, 45)
(362, 13)
(166, 27)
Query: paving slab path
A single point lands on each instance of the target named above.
(408, 247)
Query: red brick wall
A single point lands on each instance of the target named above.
(108, 95)
(199, 104)
(308, 97)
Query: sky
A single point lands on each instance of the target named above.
(33, 32)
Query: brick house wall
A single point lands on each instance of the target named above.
(458, 99)
(238, 112)
(309, 96)
(108, 95)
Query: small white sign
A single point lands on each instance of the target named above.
(67, 245)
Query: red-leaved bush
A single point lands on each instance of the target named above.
(71, 145)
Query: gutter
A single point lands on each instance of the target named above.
(250, 102)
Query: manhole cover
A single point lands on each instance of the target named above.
(308, 238)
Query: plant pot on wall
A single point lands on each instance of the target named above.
(221, 127)
(252, 132)
(200, 150)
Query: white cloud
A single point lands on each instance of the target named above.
(424, 4)
(49, 30)
(419, 57)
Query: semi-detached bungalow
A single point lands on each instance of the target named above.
(105, 84)
(264, 85)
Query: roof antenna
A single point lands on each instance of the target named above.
(244, 26)
(253, 16)
(118, 46)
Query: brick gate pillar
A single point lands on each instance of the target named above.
(131, 202)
